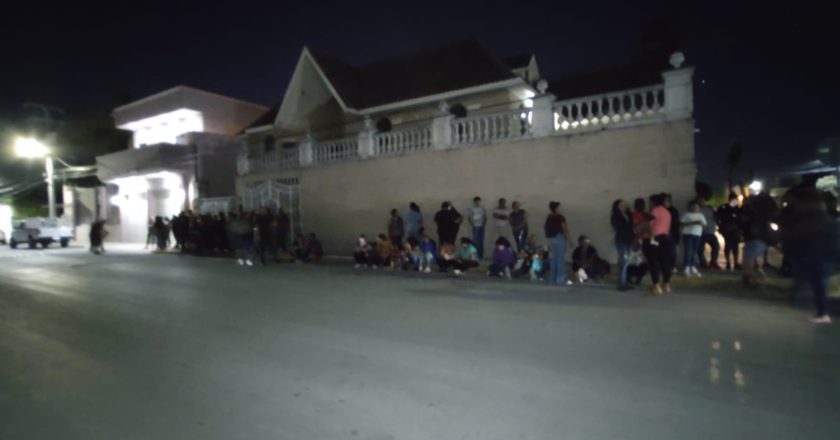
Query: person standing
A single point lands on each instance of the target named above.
(281, 232)
(692, 222)
(97, 236)
(396, 229)
(265, 235)
(477, 217)
(658, 251)
(501, 216)
(448, 221)
(758, 212)
(622, 224)
(243, 233)
(556, 234)
(414, 221)
(709, 237)
(519, 225)
(729, 220)
(675, 229)
(810, 241)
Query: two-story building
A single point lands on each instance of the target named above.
(183, 151)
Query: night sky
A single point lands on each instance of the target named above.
(766, 77)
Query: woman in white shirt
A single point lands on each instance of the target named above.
(692, 223)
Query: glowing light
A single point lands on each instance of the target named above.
(30, 148)
(6, 220)
(740, 198)
(774, 226)
(756, 186)
(529, 103)
(165, 127)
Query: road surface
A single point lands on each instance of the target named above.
(138, 346)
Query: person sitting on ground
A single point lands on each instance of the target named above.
(300, 247)
(315, 251)
(411, 253)
(537, 269)
(503, 259)
(525, 256)
(382, 256)
(586, 262)
(447, 256)
(467, 256)
(362, 253)
(636, 266)
(428, 253)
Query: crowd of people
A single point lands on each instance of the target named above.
(516, 253)
(647, 239)
(248, 235)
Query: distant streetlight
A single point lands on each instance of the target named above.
(32, 148)
(756, 186)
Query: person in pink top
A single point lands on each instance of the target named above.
(656, 249)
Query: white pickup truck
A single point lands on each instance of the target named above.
(39, 230)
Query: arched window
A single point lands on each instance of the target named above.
(458, 110)
(268, 144)
(383, 125)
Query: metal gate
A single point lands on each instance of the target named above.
(276, 194)
(216, 205)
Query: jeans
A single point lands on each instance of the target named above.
(246, 247)
(478, 240)
(658, 254)
(557, 266)
(623, 249)
(521, 237)
(711, 240)
(691, 243)
(731, 241)
(808, 269)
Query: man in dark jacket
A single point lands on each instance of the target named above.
(729, 220)
(448, 221)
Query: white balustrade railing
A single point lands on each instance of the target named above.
(283, 159)
(628, 107)
(337, 150)
(609, 109)
(493, 127)
(402, 141)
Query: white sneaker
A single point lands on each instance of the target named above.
(507, 273)
(427, 270)
(687, 271)
(696, 272)
(456, 272)
(249, 262)
(824, 319)
(241, 262)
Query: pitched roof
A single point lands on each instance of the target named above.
(266, 118)
(605, 80)
(428, 72)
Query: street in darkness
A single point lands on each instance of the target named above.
(141, 346)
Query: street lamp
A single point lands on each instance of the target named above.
(756, 186)
(32, 148)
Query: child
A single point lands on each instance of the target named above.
(428, 253)
(384, 251)
(411, 251)
(536, 270)
(636, 266)
(503, 259)
(446, 257)
(362, 254)
(467, 257)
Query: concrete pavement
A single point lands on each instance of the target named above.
(137, 346)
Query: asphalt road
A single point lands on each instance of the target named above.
(138, 346)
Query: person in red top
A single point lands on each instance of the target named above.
(657, 249)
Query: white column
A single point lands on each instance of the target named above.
(442, 128)
(305, 153)
(50, 187)
(542, 116)
(679, 96)
(366, 140)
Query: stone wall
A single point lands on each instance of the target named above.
(585, 172)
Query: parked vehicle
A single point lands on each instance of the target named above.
(39, 230)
